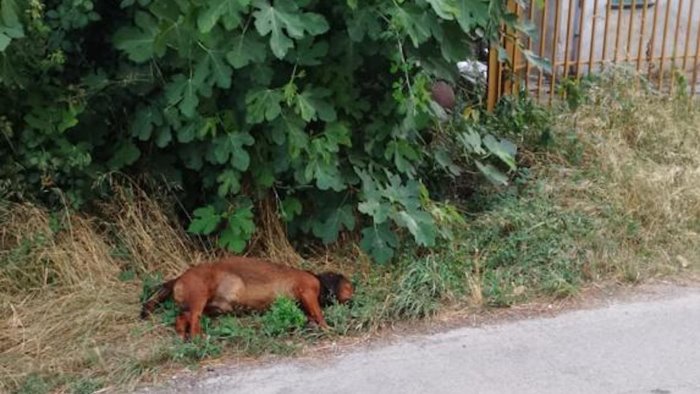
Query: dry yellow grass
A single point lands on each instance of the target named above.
(65, 310)
(67, 315)
(640, 157)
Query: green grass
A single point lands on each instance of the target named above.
(34, 384)
(38, 384)
(529, 246)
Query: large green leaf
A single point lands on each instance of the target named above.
(214, 69)
(290, 208)
(337, 134)
(182, 91)
(313, 104)
(364, 22)
(229, 11)
(284, 21)
(138, 41)
(8, 14)
(379, 241)
(403, 154)
(444, 160)
(445, 9)
(504, 149)
(144, 121)
(420, 224)
(454, 44)
(379, 211)
(263, 105)
(471, 142)
(126, 154)
(10, 25)
(492, 173)
(191, 156)
(205, 220)
(230, 147)
(415, 21)
(329, 228)
(163, 137)
(308, 52)
(229, 183)
(407, 194)
(239, 230)
(247, 48)
(175, 31)
(472, 14)
(188, 132)
(326, 174)
(290, 129)
(4, 41)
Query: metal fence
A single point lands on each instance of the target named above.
(658, 38)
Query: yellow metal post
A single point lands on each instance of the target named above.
(605, 31)
(553, 82)
(641, 35)
(579, 55)
(529, 46)
(591, 52)
(509, 38)
(663, 46)
(689, 27)
(695, 63)
(517, 55)
(618, 29)
(630, 29)
(543, 31)
(493, 79)
(674, 53)
(652, 42)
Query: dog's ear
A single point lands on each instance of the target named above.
(327, 280)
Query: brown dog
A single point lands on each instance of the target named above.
(246, 283)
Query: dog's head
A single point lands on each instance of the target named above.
(334, 286)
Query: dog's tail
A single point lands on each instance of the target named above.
(164, 291)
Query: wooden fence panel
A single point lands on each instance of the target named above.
(658, 38)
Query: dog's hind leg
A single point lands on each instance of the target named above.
(197, 305)
(191, 295)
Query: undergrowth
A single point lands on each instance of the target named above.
(609, 190)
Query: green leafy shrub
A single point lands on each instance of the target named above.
(283, 316)
(325, 105)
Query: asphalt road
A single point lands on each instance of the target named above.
(652, 346)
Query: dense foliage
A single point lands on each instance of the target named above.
(322, 105)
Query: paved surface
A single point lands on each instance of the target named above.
(640, 347)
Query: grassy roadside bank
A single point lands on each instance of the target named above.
(613, 194)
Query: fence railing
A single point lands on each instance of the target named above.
(658, 38)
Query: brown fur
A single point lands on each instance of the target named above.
(246, 283)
